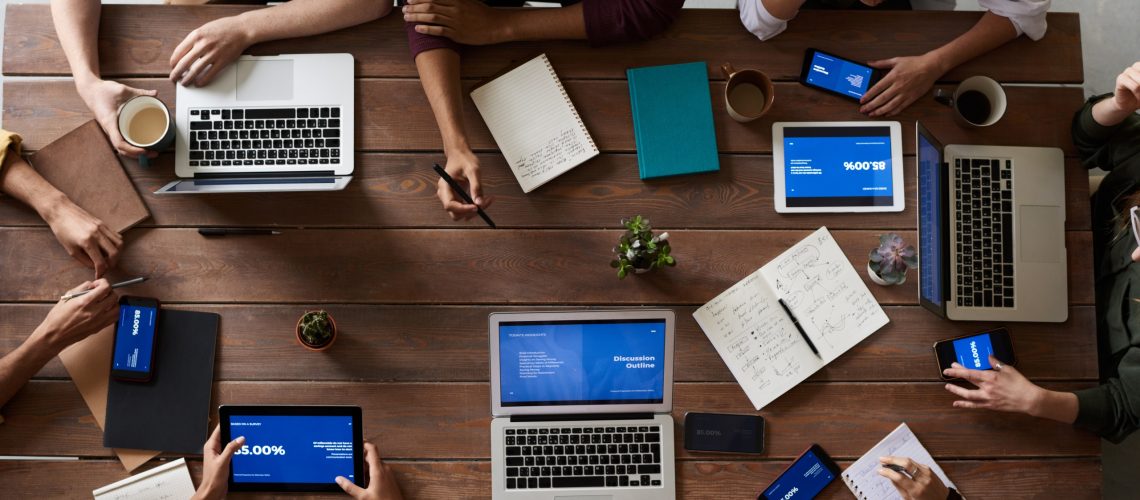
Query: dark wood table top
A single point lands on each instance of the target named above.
(411, 289)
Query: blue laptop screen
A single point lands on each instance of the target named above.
(930, 217)
(582, 363)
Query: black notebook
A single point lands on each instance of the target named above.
(171, 412)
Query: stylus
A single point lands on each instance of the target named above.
(462, 194)
(129, 282)
(799, 328)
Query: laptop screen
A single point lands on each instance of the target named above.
(582, 362)
(930, 217)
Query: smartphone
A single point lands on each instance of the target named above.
(836, 75)
(973, 351)
(805, 478)
(724, 433)
(136, 339)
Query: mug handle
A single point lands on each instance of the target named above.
(144, 162)
(942, 98)
(728, 70)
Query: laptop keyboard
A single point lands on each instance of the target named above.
(232, 137)
(583, 457)
(984, 226)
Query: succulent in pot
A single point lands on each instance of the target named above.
(316, 330)
(639, 251)
(888, 264)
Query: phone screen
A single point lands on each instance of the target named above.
(974, 352)
(134, 338)
(808, 476)
(838, 75)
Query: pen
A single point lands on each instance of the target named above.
(799, 328)
(129, 282)
(223, 231)
(898, 468)
(462, 194)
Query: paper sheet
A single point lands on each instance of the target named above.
(534, 123)
(166, 482)
(89, 364)
(863, 479)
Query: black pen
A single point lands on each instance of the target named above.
(898, 468)
(462, 194)
(236, 231)
(799, 328)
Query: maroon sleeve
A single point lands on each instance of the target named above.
(419, 42)
(614, 21)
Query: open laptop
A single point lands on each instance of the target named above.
(581, 404)
(267, 123)
(991, 231)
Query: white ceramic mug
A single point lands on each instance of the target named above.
(989, 88)
(131, 110)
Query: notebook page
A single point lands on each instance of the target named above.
(756, 340)
(825, 293)
(863, 478)
(166, 482)
(534, 123)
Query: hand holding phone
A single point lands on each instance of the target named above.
(973, 351)
(836, 75)
(136, 338)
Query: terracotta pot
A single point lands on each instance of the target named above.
(332, 323)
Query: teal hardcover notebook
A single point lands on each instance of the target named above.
(672, 120)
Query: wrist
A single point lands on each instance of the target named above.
(937, 61)
(42, 345)
(246, 27)
(85, 82)
(207, 491)
(505, 24)
(50, 206)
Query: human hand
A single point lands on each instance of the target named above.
(76, 319)
(1127, 94)
(465, 21)
(923, 484)
(216, 466)
(464, 168)
(85, 237)
(381, 483)
(1002, 389)
(909, 79)
(207, 50)
(103, 98)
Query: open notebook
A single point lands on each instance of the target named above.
(758, 341)
(863, 479)
(534, 123)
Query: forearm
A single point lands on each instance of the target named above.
(567, 23)
(19, 180)
(990, 32)
(77, 26)
(439, 74)
(783, 9)
(1107, 114)
(21, 364)
(1054, 405)
(300, 18)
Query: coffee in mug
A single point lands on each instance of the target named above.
(145, 122)
(978, 101)
(748, 94)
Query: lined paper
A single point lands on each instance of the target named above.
(166, 482)
(534, 123)
(863, 479)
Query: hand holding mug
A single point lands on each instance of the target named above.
(145, 123)
(104, 98)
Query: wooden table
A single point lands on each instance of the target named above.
(411, 290)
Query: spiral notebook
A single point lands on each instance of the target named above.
(534, 123)
(863, 479)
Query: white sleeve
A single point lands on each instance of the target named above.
(1028, 16)
(759, 21)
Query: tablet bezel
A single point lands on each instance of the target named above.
(779, 195)
(227, 411)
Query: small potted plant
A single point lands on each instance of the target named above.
(316, 330)
(638, 251)
(887, 265)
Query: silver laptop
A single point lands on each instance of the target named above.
(991, 230)
(267, 123)
(581, 404)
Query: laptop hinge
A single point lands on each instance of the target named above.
(581, 416)
(241, 175)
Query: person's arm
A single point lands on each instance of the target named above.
(768, 18)
(85, 237)
(1005, 389)
(77, 26)
(67, 323)
(216, 466)
(213, 46)
(911, 77)
(1097, 126)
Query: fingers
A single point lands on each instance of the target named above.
(428, 29)
(969, 405)
(100, 289)
(896, 478)
(457, 209)
(475, 186)
(197, 67)
(372, 458)
(214, 443)
(207, 77)
(884, 63)
(964, 393)
(353, 490)
(86, 285)
(974, 376)
(116, 239)
(874, 91)
(891, 107)
(91, 247)
(230, 449)
(110, 250)
(882, 98)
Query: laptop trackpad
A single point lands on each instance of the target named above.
(265, 80)
(1042, 233)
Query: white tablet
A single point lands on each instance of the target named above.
(837, 166)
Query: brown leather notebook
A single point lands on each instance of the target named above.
(83, 165)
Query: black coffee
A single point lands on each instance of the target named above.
(974, 106)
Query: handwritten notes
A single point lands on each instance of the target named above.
(863, 479)
(166, 482)
(757, 339)
(534, 123)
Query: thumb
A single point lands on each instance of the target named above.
(1136, 255)
(137, 92)
(231, 448)
(883, 63)
(348, 487)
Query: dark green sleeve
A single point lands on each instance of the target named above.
(1104, 147)
(1112, 410)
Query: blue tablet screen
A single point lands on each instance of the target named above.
(838, 167)
(292, 448)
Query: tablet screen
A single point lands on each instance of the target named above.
(293, 452)
(838, 167)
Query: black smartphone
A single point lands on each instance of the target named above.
(724, 433)
(836, 75)
(136, 339)
(973, 351)
(812, 471)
